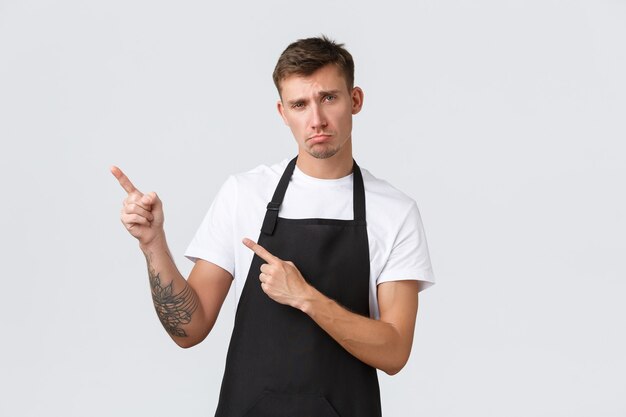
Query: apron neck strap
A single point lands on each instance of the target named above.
(358, 193)
(271, 216)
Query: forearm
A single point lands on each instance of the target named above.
(175, 301)
(377, 343)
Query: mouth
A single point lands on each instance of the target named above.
(319, 138)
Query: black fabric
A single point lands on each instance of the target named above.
(280, 362)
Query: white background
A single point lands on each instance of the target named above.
(503, 119)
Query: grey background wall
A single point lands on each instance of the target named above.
(503, 119)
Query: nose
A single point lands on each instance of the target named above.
(318, 119)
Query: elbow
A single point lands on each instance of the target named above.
(393, 370)
(186, 343)
(396, 366)
(191, 339)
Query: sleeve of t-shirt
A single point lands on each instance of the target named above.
(409, 258)
(213, 241)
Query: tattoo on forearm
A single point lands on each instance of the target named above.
(174, 310)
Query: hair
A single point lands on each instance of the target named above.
(305, 56)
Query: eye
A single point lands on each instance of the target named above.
(298, 105)
(330, 97)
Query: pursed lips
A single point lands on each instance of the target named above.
(319, 138)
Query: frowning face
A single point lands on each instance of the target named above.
(318, 109)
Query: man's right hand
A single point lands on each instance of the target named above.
(142, 214)
(189, 308)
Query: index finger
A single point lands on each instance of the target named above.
(123, 180)
(260, 251)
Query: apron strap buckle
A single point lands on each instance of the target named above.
(273, 206)
(271, 216)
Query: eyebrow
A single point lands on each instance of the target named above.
(320, 94)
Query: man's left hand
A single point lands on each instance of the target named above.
(280, 280)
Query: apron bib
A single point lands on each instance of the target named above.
(280, 363)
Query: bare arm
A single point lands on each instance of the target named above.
(384, 344)
(189, 308)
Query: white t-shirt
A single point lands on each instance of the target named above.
(397, 243)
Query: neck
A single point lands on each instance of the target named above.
(337, 166)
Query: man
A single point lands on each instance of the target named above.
(329, 293)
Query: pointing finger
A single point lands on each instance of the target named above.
(123, 180)
(260, 251)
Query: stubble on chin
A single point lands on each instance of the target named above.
(324, 153)
(323, 150)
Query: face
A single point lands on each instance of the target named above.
(318, 109)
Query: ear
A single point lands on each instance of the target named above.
(357, 100)
(281, 111)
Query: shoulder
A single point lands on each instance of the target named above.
(381, 196)
(253, 186)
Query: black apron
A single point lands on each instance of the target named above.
(280, 363)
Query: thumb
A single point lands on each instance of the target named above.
(151, 199)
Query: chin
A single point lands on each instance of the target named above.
(323, 153)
